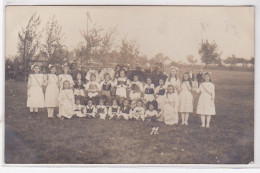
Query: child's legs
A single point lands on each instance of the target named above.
(183, 117)
(31, 109)
(186, 117)
(208, 120)
(202, 120)
(35, 109)
(50, 112)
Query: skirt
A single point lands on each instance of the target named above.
(185, 102)
(170, 115)
(134, 95)
(160, 100)
(52, 96)
(149, 97)
(206, 106)
(35, 97)
(121, 92)
(66, 109)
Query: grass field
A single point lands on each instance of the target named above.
(229, 140)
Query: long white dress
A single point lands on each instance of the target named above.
(206, 105)
(52, 91)
(170, 109)
(35, 94)
(64, 77)
(66, 100)
(185, 98)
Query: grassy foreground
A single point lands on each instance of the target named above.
(77, 141)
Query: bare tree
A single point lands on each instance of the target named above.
(29, 42)
(53, 45)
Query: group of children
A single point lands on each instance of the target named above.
(107, 95)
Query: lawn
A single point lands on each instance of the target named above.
(229, 140)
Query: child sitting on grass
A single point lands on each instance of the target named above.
(90, 110)
(138, 112)
(78, 107)
(125, 109)
(66, 101)
(151, 113)
(101, 110)
(114, 109)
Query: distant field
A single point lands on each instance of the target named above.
(229, 140)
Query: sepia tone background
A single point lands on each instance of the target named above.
(147, 35)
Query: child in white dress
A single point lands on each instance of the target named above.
(151, 113)
(138, 112)
(52, 91)
(35, 96)
(90, 110)
(185, 98)
(125, 109)
(206, 105)
(65, 77)
(136, 88)
(149, 90)
(114, 109)
(171, 105)
(92, 87)
(78, 107)
(101, 110)
(121, 84)
(66, 101)
(173, 79)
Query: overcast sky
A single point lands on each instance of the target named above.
(173, 31)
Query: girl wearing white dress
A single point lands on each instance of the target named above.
(173, 79)
(185, 98)
(121, 84)
(101, 110)
(67, 101)
(114, 109)
(171, 105)
(160, 93)
(78, 87)
(149, 90)
(52, 91)
(35, 96)
(136, 88)
(206, 105)
(65, 76)
(78, 107)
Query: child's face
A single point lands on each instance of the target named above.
(186, 77)
(173, 72)
(206, 77)
(78, 102)
(114, 102)
(161, 82)
(36, 69)
(92, 77)
(125, 103)
(139, 103)
(107, 77)
(66, 69)
(151, 107)
(66, 85)
(90, 103)
(79, 76)
(53, 70)
(135, 78)
(122, 74)
(101, 102)
(171, 90)
(149, 81)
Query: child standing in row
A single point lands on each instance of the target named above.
(65, 77)
(159, 93)
(173, 79)
(78, 87)
(136, 88)
(206, 105)
(52, 91)
(92, 87)
(35, 96)
(149, 90)
(186, 98)
(121, 85)
(66, 100)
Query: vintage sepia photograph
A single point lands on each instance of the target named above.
(129, 84)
